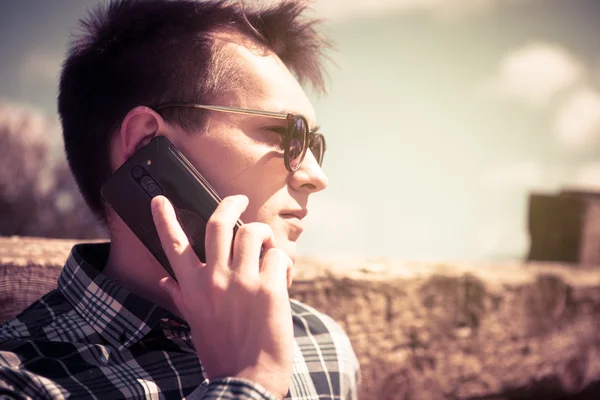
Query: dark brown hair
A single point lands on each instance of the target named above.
(147, 52)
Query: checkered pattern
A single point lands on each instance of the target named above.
(90, 338)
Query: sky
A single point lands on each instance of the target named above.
(442, 117)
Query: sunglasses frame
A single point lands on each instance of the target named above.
(292, 119)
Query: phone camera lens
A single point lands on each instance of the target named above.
(151, 187)
(137, 172)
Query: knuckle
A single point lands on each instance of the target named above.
(219, 283)
(264, 229)
(215, 225)
(245, 230)
(178, 245)
(252, 230)
(271, 290)
(233, 201)
(244, 282)
(277, 255)
(244, 234)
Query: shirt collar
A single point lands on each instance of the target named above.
(119, 316)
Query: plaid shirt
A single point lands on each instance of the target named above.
(90, 338)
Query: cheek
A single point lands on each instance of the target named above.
(261, 211)
(241, 166)
(219, 162)
(255, 174)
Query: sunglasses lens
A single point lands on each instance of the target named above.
(317, 148)
(297, 140)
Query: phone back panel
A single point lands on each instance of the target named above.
(164, 170)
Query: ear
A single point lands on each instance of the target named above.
(139, 126)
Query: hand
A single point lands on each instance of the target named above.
(236, 304)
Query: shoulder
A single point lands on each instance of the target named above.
(36, 318)
(311, 322)
(317, 321)
(317, 334)
(314, 328)
(19, 344)
(50, 326)
(17, 382)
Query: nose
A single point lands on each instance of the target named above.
(310, 176)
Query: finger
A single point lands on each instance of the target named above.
(250, 241)
(219, 230)
(169, 285)
(172, 238)
(274, 269)
(290, 275)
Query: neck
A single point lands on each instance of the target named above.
(133, 267)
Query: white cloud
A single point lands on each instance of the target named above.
(577, 122)
(536, 73)
(41, 65)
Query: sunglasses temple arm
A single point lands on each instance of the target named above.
(234, 110)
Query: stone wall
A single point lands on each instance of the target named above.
(430, 331)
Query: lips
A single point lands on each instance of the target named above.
(299, 214)
(294, 218)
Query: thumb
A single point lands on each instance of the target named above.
(169, 285)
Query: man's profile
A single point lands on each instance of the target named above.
(118, 326)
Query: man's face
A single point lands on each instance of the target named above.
(241, 154)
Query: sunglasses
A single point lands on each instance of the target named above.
(297, 140)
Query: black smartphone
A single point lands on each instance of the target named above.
(160, 169)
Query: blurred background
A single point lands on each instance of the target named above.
(442, 116)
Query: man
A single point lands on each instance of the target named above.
(118, 326)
